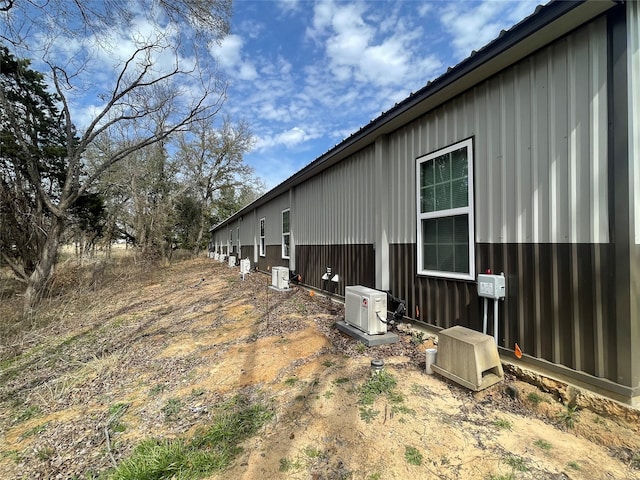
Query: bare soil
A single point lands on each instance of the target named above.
(187, 336)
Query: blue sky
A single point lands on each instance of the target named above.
(306, 75)
(303, 74)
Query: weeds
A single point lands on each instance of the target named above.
(361, 348)
(210, 450)
(516, 463)
(157, 390)
(287, 465)
(502, 424)
(37, 430)
(574, 465)
(28, 413)
(412, 455)
(543, 444)
(535, 399)
(569, 416)
(367, 414)
(171, 408)
(290, 382)
(382, 383)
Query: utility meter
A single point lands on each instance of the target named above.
(491, 286)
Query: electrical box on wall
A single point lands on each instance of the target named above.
(491, 286)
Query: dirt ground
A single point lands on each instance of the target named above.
(193, 333)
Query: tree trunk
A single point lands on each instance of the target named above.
(38, 280)
(196, 247)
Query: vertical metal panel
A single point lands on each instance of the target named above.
(539, 130)
(338, 205)
(354, 264)
(529, 315)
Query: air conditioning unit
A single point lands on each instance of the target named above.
(232, 260)
(245, 266)
(216, 256)
(280, 277)
(366, 309)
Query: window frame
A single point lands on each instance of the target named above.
(469, 210)
(261, 234)
(287, 233)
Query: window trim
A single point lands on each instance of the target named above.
(468, 210)
(288, 233)
(262, 225)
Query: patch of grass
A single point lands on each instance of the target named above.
(328, 394)
(11, 454)
(37, 430)
(45, 453)
(117, 409)
(197, 392)
(312, 452)
(412, 455)
(361, 347)
(119, 427)
(382, 383)
(340, 381)
(502, 424)
(327, 363)
(290, 382)
(543, 444)
(287, 465)
(403, 409)
(508, 476)
(517, 463)
(569, 416)
(417, 338)
(157, 389)
(211, 449)
(374, 476)
(28, 413)
(367, 414)
(574, 465)
(171, 408)
(534, 399)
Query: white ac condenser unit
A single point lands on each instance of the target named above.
(280, 277)
(366, 309)
(245, 266)
(232, 260)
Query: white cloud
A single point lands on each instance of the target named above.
(289, 138)
(473, 28)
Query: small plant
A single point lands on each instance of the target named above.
(508, 476)
(382, 383)
(574, 465)
(119, 427)
(328, 394)
(367, 414)
(361, 347)
(290, 382)
(569, 416)
(444, 460)
(412, 455)
(374, 476)
(327, 363)
(502, 424)
(517, 463)
(28, 413)
(197, 392)
(417, 338)
(157, 390)
(117, 409)
(287, 465)
(403, 409)
(535, 399)
(45, 453)
(340, 381)
(543, 444)
(37, 430)
(312, 452)
(171, 408)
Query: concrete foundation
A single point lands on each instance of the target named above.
(368, 340)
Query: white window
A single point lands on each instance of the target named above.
(262, 237)
(445, 225)
(286, 233)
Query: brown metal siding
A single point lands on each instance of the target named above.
(354, 264)
(559, 306)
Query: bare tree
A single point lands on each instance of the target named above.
(152, 93)
(212, 159)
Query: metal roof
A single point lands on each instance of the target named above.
(547, 23)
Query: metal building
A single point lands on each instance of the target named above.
(523, 159)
